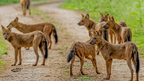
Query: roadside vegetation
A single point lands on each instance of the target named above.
(3, 50)
(129, 11)
(3, 2)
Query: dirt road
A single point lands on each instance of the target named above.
(56, 68)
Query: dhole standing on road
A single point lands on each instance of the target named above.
(46, 28)
(82, 50)
(35, 39)
(127, 50)
(123, 34)
(110, 32)
(25, 4)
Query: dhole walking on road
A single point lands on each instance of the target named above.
(35, 39)
(127, 50)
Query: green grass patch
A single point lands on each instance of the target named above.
(66, 69)
(89, 65)
(129, 11)
(3, 50)
(3, 45)
(2, 2)
(37, 12)
(2, 63)
(83, 78)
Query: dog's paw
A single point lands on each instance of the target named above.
(34, 64)
(13, 64)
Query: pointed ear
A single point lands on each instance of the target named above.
(112, 18)
(100, 33)
(9, 28)
(82, 15)
(109, 19)
(107, 15)
(101, 15)
(16, 19)
(87, 16)
(3, 28)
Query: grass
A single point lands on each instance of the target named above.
(37, 12)
(89, 65)
(3, 2)
(128, 11)
(83, 78)
(3, 50)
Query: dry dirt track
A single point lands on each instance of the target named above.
(56, 66)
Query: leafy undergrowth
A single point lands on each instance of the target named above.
(3, 2)
(3, 50)
(129, 11)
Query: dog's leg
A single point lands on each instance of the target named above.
(29, 10)
(72, 61)
(36, 53)
(50, 42)
(115, 39)
(111, 37)
(95, 65)
(43, 63)
(135, 68)
(20, 60)
(130, 67)
(24, 11)
(108, 68)
(81, 67)
(16, 54)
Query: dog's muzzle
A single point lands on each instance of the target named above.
(6, 38)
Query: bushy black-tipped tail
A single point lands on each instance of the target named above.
(136, 59)
(45, 47)
(105, 36)
(55, 34)
(28, 4)
(128, 36)
(70, 55)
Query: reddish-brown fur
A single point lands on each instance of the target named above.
(25, 4)
(109, 51)
(35, 39)
(111, 33)
(82, 50)
(46, 28)
(123, 34)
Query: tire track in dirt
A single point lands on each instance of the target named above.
(56, 66)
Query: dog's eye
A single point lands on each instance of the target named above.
(7, 33)
(3, 33)
(82, 21)
(94, 38)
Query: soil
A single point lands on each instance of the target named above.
(56, 68)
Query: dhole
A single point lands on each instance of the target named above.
(46, 28)
(82, 50)
(90, 25)
(25, 4)
(35, 39)
(123, 34)
(110, 32)
(127, 50)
